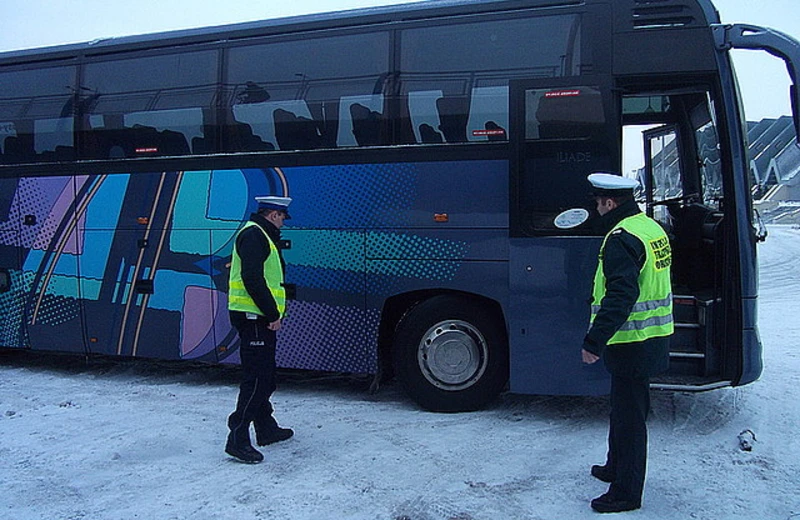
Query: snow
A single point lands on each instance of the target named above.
(125, 440)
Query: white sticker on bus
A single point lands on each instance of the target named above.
(571, 218)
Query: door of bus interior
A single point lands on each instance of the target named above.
(682, 191)
(690, 189)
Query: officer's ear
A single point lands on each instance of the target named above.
(271, 215)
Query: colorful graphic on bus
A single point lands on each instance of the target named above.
(135, 264)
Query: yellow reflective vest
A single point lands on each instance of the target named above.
(238, 297)
(651, 315)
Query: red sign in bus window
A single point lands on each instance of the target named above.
(496, 131)
(563, 93)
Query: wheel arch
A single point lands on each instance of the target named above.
(396, 307)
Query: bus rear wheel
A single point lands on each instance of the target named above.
(450, 354)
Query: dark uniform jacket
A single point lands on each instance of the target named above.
(254, 250)
(623, 258)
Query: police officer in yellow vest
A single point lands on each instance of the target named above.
(256, 304)
(631, 321)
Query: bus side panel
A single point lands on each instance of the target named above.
(151, 251)
(119, 261)
(150, 282)
(373, 229)
(210, 207)
(387, 277)
(50, 275)
(466, 260)
(551, 283)
(470, 194)
(326, 326)
(12, 297)
(190, 277)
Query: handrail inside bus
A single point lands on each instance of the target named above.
(781, 45)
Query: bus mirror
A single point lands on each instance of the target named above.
(780, 45)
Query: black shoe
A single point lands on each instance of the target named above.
(609, 504)
(603, 473)
(245, 453)
(273, 435)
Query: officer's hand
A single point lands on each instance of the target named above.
(588, 357)
(275, 325)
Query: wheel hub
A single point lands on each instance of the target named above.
(453, 355)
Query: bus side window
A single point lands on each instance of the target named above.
(455, 78)
(263, 121)
(488, 114)
(567, 137)
(480, 117)
(37, 109)
(148, 106)
(304, 94)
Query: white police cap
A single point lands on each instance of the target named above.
(274, 202)
(608, 183)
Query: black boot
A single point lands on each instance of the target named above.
(239, 447)
(268, 432)
(610, 503)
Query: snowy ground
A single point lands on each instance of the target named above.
(141, 440)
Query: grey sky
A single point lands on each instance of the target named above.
(38, 23)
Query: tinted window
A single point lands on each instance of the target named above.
(455, 78)
(36, 115)
(568, 136)
(649, 106)
(306, 94)
(148, 106)
(710, 161)
(563, 113)
(667, 175)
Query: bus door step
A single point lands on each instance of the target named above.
(692, 348)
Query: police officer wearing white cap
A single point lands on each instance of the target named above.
(631, 321)
(256, 304)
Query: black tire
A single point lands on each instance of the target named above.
(451, 354)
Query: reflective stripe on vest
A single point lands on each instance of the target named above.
(238, 297)
(651, 315)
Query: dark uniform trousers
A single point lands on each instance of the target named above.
(627, 436)
(257, 352)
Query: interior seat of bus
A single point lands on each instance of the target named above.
(696, 233)
(368, 125)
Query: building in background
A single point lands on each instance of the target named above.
(774, 157)
(775, 170)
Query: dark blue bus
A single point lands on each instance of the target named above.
(436, 152)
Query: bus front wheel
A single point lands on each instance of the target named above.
(450, 354)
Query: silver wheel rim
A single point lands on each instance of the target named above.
(453, 355)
